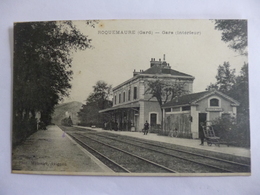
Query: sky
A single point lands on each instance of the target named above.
(193, 47)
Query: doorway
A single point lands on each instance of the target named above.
(202, 119)
(153, 120)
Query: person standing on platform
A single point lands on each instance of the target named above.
(146, 128)
(201, 133)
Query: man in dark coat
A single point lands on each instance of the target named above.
(146, 128)
(201, 133)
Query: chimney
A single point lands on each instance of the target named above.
(135, 73)
(153, 62)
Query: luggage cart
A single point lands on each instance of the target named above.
(210, 136)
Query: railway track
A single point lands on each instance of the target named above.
(186, 167)
(213, 164)
(112, 164)
(121, 165)
(189, 156)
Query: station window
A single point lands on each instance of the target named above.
(129, 94)
(168, 109)
(115, 99)
(214, 102)
(176, 109)
(119, 98)
(185, 108)
(124, 97)
(135, 93)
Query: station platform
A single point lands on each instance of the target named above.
(194, 143)
(51, 151)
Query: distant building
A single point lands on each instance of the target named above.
(185, 113)
(132, 107)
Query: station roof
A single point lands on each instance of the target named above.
(157, 69)
(193, 98)
(125, 106)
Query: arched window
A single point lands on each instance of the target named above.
(214, 102)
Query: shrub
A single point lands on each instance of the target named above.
(236, 132)
(23, 129)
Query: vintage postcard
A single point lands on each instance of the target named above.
(131, 98)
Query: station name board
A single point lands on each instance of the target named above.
(214, 109)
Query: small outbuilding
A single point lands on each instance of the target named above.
(185, 113)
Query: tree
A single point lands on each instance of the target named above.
(102, 93)
(240, 90)
(42, 62)
(232, 85)
(225, 78)
(164, 91)
(237, 88)
(96, 101)
(234, 32)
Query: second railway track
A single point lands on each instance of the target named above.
(221, 164)
(120, 160)
(175, 160)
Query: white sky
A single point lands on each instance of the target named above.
(114, 57)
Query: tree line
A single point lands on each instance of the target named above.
(42, 70)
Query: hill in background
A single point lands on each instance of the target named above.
(65, 110)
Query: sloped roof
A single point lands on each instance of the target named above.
(124, 106)
(158, 70)
(194, 97)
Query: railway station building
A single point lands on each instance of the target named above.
(132, 107)
(185, 113)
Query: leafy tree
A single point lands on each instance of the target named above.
(225, 78)
(238, 90)
(212, 86)
(101, 93)
(96, 101)
(164, 91)
(232, 85)
(42, 62)
(234, 32)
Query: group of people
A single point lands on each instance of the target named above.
(201, 134)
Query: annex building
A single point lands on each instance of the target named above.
(185, 113)
(132, 106)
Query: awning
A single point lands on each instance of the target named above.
(131, 105)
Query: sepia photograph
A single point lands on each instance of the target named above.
(131, 98)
